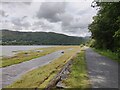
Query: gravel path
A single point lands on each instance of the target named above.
(103, 72)
(11, 73)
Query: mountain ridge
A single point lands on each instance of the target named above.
(38, 38)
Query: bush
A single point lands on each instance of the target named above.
(92, 43)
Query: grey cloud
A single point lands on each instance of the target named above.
(24, 17)
(66, 19)
(5, 3)
(48, 16)
(75, 26)
(85, 11)
(43, 25)
(18, 22)
(80, 25)
(51, 10)
(26, 25)
(19, 1)
(77, 32)
(28, 3)
(3, 13)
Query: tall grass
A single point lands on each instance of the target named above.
(29, 55)
(78, 77)
(109, 54)
(40, 77)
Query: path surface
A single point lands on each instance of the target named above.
(103, 72)
(11, 73)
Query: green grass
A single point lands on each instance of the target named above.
(40, 77)
(29, 55)
(78, 77)
(108, 54)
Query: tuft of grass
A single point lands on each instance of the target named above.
(29, 55)
(78, 77)
(109, 54)
(41, 76)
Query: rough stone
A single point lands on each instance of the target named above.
(60, 85)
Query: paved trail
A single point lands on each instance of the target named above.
(103, 72)
(11, 73)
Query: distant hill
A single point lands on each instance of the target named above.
(38, 38)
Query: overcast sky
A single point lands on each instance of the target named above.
(70, 18)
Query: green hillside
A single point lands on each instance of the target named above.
(38, 38)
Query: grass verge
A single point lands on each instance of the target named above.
(40, 77)
(108, 54)
(29, 55)
(78, 77)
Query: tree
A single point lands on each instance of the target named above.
(106, 26)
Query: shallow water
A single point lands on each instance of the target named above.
(9, 50)
(13, 72)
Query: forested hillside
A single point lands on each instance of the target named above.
(38, 38)
(106, 27)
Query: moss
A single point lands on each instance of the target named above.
(109, 54)
(40, 77)
(78, 77)
(29, 55)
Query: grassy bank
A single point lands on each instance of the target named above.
(78, 77)
(40, 77)
(29, 55)
(108, 54)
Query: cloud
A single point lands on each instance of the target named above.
(28, 3)
(66, 19)
(3, 13)
(51, 10)
(70, 18)
(47, 26)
